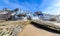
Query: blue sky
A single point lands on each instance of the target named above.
(46, 6)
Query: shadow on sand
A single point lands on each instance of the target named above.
(45, 28)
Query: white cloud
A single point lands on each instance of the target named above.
(54, 8)
(14, 5)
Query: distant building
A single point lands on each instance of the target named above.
(4, 15)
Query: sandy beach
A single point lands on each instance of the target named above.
(30, 30)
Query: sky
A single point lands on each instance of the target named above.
(46, 6)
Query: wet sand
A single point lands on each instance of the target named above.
(30, 30)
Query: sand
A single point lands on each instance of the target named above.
(30, 30)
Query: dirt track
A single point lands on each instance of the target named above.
(30, 30)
